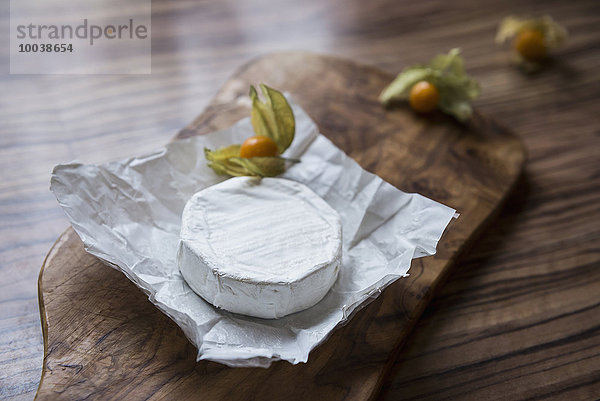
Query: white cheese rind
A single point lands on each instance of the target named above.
(260, 247)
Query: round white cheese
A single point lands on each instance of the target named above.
(263, 247)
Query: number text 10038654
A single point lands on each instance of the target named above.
(45, 48)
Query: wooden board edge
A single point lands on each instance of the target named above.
(56, 246)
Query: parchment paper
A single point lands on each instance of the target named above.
(128, 213)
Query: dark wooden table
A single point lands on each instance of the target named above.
(519, 317)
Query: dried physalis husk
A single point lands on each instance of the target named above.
(533, 37)
(446, 72)
(273, 119)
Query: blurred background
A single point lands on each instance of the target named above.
(196, 45)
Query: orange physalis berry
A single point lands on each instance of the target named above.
(258, 146)
(531, 45)
(424, 97)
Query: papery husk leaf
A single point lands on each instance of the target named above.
(509, 27)
(451, 62)
(262, 118)
(223, 153)
(273, 118)
(261, 166)
(220, 160)
(460, 109)
(227, 161)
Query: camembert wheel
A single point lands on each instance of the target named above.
(260, 247)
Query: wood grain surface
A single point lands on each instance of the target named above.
(519, 314)
(471, 168)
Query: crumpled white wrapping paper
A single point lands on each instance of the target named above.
(128, 213)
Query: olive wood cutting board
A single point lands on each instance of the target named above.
(104, 340)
